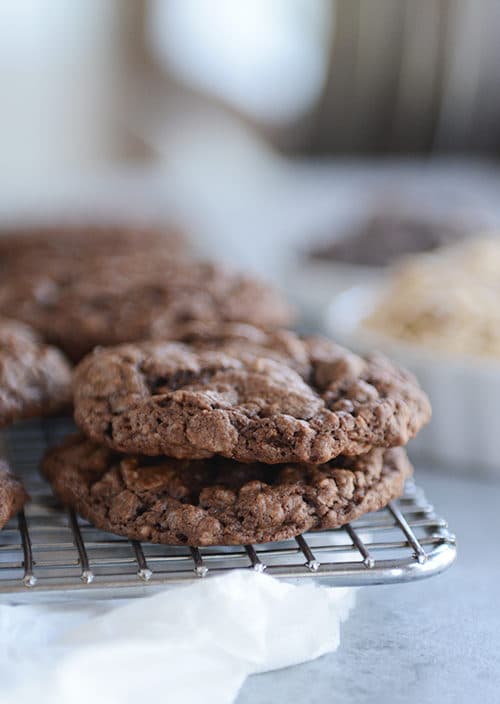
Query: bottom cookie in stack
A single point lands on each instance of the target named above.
(218, 501)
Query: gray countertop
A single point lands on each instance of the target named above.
(437, 640)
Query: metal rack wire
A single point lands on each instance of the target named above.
(49, 553)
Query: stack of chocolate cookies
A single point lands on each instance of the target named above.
(204, 421)
(233, 436)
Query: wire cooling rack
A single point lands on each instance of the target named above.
(49, 553)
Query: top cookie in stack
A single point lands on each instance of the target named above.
(282, 399)
(235, 436)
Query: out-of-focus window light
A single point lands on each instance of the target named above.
(268, 58)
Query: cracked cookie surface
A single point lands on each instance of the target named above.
(35, 379)
(303, 402)
(218, 501)
(12, 494)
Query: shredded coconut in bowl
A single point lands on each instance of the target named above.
(447, 301)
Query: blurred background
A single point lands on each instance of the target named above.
(83, 80)
(318, 142)
(182, 100)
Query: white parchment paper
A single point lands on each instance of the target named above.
(187, 644)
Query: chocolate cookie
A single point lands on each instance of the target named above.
(43, 248)
(218, 501)
(184, 401)
(141, 296)
(12, 494)
(35, 379)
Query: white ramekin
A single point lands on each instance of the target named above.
(464, 433)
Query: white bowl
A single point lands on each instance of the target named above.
(464, 391)
(313, 283)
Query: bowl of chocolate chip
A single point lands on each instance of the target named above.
(361, 251)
